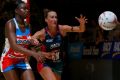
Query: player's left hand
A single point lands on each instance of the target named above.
(82, 19)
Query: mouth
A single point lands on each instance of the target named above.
(55, 23)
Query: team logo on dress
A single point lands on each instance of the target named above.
(55, 45)
(23, 41)
(49, 40)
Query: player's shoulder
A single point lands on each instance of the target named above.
(41, 32)
(9, 22)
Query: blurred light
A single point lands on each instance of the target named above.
(25, 1)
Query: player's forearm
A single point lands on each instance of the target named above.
(82, 27)
(22, 50)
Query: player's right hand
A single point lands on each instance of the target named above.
(39, 57)
(34, 42)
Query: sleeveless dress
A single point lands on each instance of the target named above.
(11, 59)
(52, 44)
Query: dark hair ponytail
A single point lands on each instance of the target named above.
(18, 3)
(46, 11)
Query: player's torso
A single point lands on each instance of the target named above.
(52, 43)
(22, 39)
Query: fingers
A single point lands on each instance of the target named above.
(53, 58)
(82, 19)
(34, 41)
(40, 60)
(47, 55)
(77, 18)
(40, 57)
(81, 16)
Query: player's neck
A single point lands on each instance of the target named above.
(52, 31)
(19, 20)
(52, 28)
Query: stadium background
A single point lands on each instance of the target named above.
(88, 66)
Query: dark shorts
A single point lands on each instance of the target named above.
(56, 67)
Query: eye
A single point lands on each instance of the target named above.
(23, 8)
(52, 16)
(56, 17)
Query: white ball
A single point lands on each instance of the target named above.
(107, 20)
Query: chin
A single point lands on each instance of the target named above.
(55, 25)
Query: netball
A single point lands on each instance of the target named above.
(107, 20)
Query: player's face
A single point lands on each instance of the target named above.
(52, 19)
(22, 10)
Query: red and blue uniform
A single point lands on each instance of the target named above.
(52, 44)
(11, 59)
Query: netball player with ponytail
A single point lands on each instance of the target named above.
(50, 38)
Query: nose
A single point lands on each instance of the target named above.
(55, 19)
